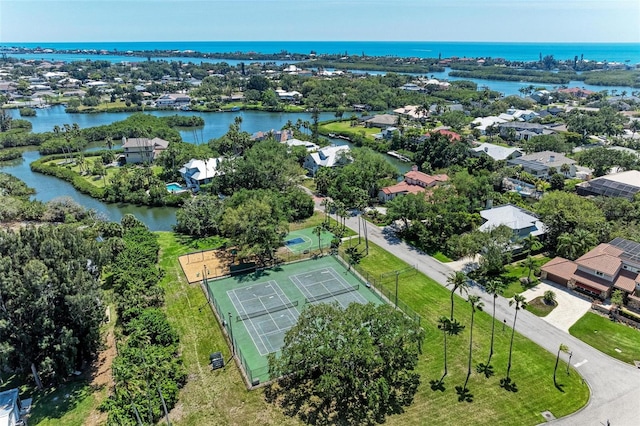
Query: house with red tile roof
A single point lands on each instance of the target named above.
(414, 182)
(609, 266)
(451, 135)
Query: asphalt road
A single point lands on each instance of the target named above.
(615, 386)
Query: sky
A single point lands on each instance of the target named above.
(320, 20)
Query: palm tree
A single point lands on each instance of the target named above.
(549, 297)
(531, 243)
(319, 230)
(444, 324)
(568, 246)
(494, 287)
(562, 348)
(520, 303)
(476, 304)
(457, 281)
(565, 169)
(617, 299)
(530, 263)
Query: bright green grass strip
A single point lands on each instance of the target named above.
(539, 308)
(606, 335)
(532, 366)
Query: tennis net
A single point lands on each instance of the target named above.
(329, 294)
(262, 312)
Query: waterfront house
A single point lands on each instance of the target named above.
(414, 182)
(381, 121)
(142, 150)
(310, 146)
(609, 266)
(329, 156)
(173, 100)
(199, 172)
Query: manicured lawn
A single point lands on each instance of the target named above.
(539, 308)
(317, 219)
(441, 257)
(92, 179)
(344, 127)
(220, 397)
(517, 270)
(606, 335)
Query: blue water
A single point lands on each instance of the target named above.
(174, 187)
(612, 52)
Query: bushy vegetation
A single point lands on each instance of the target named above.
(51, 303)
(148, 368)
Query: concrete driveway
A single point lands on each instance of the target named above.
(571, 306)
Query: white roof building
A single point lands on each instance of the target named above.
(329, 156)
(496, 152)
(481, 123)
(522, 222)
(197, 172)
(310, 146)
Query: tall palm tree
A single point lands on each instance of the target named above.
(562, 348)
(568, 246)
(476, 305)
(531, 243)
(519, 302)
(458, 282)
(530, 264)
(319, 230)
(444, 324)
(494, 287)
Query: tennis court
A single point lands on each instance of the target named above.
(257, 309)
(325, 286)
(267, 312)
(304, 239)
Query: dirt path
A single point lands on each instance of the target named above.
(102, 380)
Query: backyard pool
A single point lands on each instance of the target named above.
(175, 187)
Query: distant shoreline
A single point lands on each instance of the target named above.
(282, 50)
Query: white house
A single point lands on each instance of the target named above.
(288, 96)
(310, 146)
(142, 150)
(199, 172)
(12, 409)
(522, 222)
(545, 163)
(496, 152)
(330, 156)
(173, 100)
(481, 123)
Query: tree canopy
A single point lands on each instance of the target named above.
(349, 366)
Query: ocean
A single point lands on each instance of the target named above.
(611, 52)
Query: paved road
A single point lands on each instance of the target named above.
(615, 386)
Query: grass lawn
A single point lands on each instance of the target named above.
(220, 397)
(539, 308)
(606, 335)
(92, 179)
(315, 220)
(344, 127)
(517, 270)
(441, 257)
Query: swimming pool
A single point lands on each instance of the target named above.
(175, 187)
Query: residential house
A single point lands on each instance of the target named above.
(449, 134)
(329, 156)
(496, 152)
(12, 409)
(414, 112)
(142, 150)
(387, 134)
(625, 184)
(277, 135)
(414, 182)
(310, 146)
(522, 131)
(381, 121)
(522, 222)
(609, 266)
(483, 123)
(522, 114)
(288, 96)
(198, 172)
(544, 164)
(173, 100)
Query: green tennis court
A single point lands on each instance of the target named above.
(304, 239)
(257, 309)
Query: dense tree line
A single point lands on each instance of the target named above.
(148, 368)
(50, 300)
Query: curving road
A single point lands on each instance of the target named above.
(615, 386)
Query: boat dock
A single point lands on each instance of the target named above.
(399, 156)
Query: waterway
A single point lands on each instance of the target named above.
(156, 218)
